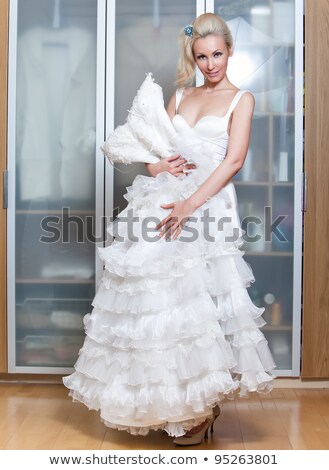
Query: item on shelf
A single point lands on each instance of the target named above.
(34, 358)
(269, 300)
(67, 320)
(255, 296)
(39, 350)
(34, 350)
(276, 315)
(68, 348)
(71, 269)
(37, 320)
(36, 342)
(283, 15)
(283, 166)
(41, 313)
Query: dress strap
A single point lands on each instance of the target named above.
(235, 101)
(179, 94)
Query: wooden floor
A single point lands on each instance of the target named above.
(43, 417)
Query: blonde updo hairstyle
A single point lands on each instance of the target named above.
(204, 25)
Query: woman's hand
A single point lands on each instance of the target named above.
(173, 224)
(175, 165)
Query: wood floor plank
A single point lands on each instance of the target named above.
(83, 430)
(43, 416)
(269, 443)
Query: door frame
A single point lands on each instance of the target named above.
(4, 25)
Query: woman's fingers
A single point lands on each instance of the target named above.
(172, 227)
(167, 223)
(166, 227)
(171, 230)
(180, 169)
(190, 166)
(172, 158)
(178, 231)
(166, 219)
(177, 165)
(174, 230)
(160, 224)
(178, 162)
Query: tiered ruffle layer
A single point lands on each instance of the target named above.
(173, 330)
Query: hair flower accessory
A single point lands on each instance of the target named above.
(188, 30)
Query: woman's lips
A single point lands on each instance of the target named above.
(212, 74)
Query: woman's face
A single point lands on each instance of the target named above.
(211, 56)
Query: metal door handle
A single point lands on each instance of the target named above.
(5, 189)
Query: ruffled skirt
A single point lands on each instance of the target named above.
(173, 330)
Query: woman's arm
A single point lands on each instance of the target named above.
(236, 154)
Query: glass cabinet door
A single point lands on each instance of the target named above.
(57, 109)
(52, 204)
(146, 36)
(267, 60)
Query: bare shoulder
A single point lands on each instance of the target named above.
(246, 103)
(248, 99)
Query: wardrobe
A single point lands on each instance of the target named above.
(74, 67)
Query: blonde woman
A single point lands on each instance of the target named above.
(173, 331)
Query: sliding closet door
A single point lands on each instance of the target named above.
(145, 37)
(267, 60)
(53, 161)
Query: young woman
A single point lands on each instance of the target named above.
(173, 331)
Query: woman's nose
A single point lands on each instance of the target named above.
(210, 64)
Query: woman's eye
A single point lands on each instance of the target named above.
(218, 54)
(201, 57)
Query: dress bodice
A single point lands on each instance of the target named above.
(208, 136)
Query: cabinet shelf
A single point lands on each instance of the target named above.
(285, 254)
(54, 211)
(260, 114)
(250, 183)
(265, 184)
(277, 328)
(24, 332)
(55, 281)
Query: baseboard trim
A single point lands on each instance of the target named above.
(299, 383)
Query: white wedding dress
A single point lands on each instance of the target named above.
(173, 330)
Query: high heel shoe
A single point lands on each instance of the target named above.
(193, 439)
(215, 412)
